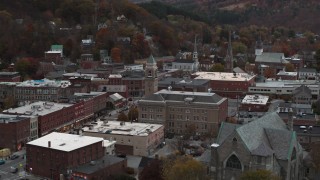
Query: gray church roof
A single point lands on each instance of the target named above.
(263, 137)
(151, 60)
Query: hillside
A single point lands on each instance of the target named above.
(30, 27)
(299, 15)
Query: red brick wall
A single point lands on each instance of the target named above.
(16, 134)
(48, 162)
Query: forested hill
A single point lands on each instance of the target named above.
(295, 14)
(28, 28)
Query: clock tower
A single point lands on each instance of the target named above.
(151, 77)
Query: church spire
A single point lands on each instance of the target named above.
(195, 55)
(229, 56)
(259, 46)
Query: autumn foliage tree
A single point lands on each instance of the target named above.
(289, 67)
(152, 171)
(133, 113)
(183, 167)
(217, 68)
(122, 117)
(116, 55)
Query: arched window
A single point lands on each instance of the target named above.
(233, 162)
(294, 154)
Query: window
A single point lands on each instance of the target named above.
(233, 162)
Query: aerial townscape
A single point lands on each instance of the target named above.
(159, 90)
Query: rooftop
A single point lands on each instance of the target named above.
(39, 108)
(255, 99)
(9, 73)
(286, 83)
(184, 96)
(44, 83)
(96, 165)
(284, 73)
(65, 142)
(223, 76)
(7, 118)
(76, 74)
(271, 57)
(182, 82)
(121, 128)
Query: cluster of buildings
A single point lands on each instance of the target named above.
(265, 135)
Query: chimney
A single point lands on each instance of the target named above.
(215, 160)
(49, 144)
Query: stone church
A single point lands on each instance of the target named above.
(266, 143)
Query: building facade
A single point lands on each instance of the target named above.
(266, 143)
(15, 131)
(137, 139)
(231, 85)
(57, 153)
(180, 110)
(10, 77)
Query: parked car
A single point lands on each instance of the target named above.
(2, 162)
(14, 156)
(13, 169)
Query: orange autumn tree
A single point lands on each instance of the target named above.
(116, 55)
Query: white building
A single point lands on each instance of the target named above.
(139, 139)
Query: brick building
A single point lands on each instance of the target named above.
(40, 90)
(7, 90)
(137, 139)
(51, 116)
(10, 77)
(57, 153)
(179, 110)
(16, 131)
(231, 85)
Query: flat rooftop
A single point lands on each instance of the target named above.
(44, 83)
(128, 128)
(286, 83)
(9, 73)
(223, 76)
(8, 118)
(75, 74)
(255, 99)
(39, 108)
(65, 142)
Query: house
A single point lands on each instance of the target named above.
(302, 95)
(271, 59)
(308, 73)
(266, 143)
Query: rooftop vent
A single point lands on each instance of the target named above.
(62, 144)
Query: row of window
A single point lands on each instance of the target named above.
(36, 91)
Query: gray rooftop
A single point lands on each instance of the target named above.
(270, 57)
(104, 162)
(264, 136)
(7, 118)
(182, 82)
(182, 96)
(311, 70)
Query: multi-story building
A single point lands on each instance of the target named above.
(178, 110)
(58, 153)
(17, 130)
(55, 55)
(10, 77)
(308, 74)
(51, 116)
(40, 90)
(139, 139)
(7, 90)
(255, 103)
(94, 103)
(283, 87)
(231, 85)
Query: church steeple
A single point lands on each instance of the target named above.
(195, 55)
(229, 56)
(259, 47)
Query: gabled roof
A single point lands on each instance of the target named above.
(302, 89)
(271, 57)
(263, 137)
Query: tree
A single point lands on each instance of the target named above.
(217, 68)
(259, 175)
(183, 167)
(152, 171)
(190, 131)
(133, 113)
(268, 72)
(239, 47)
(122, 117)
(116, 55)
(9, 102)
(289, 67)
